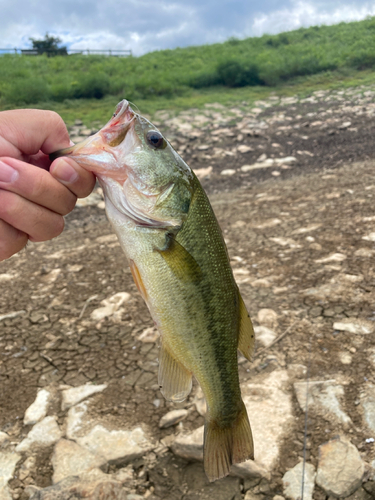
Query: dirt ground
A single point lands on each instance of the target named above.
(280, 225)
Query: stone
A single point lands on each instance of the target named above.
(228, 172)
(93, 485)
(4, 439)
(267, 317)
(201, 173)
(149, 335)
(43, 434)
(172, 418)
(340, 468)
(360, 494)
(117, 446)
(269, 407)
(367, 400)
(356, 326)
(292, 482)
(369, 237)
(244, 149)
(92, 200)
(70, 459)
(200, 401)
(71, 397)
(335, 257)
(37, 410)
(8, 462)
(264, 335)
(111, 305)
(249, 470)
(324, 397)
(286, 242)
(189, 446)
(74, 420)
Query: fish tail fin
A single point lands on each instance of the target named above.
(224, 446)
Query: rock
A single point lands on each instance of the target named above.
(201, 173)
(369, 237)
(93, 485)
(200, 401)
(297, 371)
(340, 468)
(357, 326)
(249, 470)
(368, 404)
(8, 462)
(335, 257)
(11, 315)
(149, 335)
(228, 172)
(92, 200)
(267, 317)
(360, 494)
(37, 410)
(189, 446)
(269, 407)
(292, 482)
(244, 149)
(43, 434)
(264, 335)
(117, 447)
(345, 357)
(70, 459)
(71, 397)
(286, 242)
(324, 397)
(345, 125)
(111, 306)
(4, 439)
(172, 418)
(74, 420)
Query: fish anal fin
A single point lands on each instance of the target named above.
(175, 381)
(246, 337)
(225, 446)
(180, 261)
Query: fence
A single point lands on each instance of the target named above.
(85, 52)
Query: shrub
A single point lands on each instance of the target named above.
(92, 86)
(28, 91)
(234, 74)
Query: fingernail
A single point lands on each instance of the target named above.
(7, 173)
(64, 172)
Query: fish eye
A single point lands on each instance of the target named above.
(155, 140)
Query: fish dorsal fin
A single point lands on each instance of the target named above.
(175, 381)
(246, 338)
(180, 261)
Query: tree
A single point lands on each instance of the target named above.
(49, 45)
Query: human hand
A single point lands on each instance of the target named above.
(35, 194)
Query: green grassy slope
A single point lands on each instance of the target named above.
(325, 53)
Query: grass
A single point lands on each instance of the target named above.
(296, 62)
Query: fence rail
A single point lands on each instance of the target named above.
(85, 52)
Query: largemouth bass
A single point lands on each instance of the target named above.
(179, 262)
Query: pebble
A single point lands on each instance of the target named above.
(335, 257)
(292, 482)
(4, 439)
(267, 317)
(74, 420)
(201, 173)
(264, 335)
(340, 468)
(244, 149)
(71, 397)
(149, 335)
(369, 237)
(70, 459)
(37, 410)
(172, 418)
(324, 396)
(92, 200)
(355, 326)
(367, 399)
(117, 446)
(42, 435)
(228, 172)
(111, 306)
(8, 462)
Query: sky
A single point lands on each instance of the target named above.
(147, 25)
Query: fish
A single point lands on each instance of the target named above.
(179, 261)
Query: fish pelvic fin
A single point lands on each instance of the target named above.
(246, 338)
(175, 381)
(225, 446)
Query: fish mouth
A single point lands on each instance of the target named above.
(97, 153)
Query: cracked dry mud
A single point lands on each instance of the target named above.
(301, 242)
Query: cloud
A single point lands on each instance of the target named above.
(146, 25)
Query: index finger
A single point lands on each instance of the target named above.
(32, 130)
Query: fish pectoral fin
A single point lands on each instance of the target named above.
(175, 381)
(246, 338)
(180, 261)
